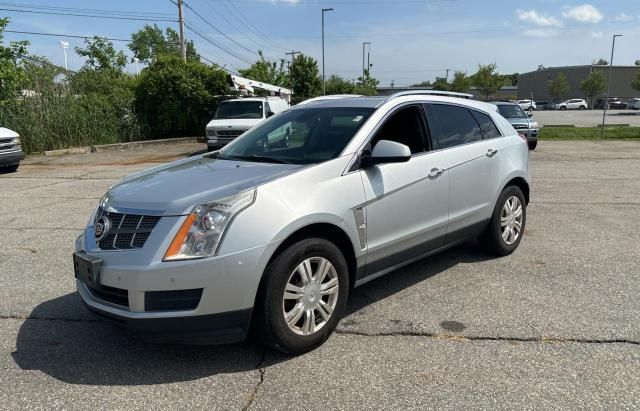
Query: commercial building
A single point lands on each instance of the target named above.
(536, 82)
(505, 93)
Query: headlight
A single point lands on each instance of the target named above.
(534, 125)
(203, 229)
(16, 140)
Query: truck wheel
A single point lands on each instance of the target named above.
(533, 145)
(302, 297)
(11, 169)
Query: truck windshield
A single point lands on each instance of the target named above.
(239, 109)
(511, 111)
(299, 136)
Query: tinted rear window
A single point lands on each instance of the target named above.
(453, 126)
(489, 129)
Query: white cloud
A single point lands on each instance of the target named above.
(539, 19)
(541, 33)
(583, 14)
(597, 34)
(623, 17)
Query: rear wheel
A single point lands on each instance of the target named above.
(302, 297)
(582, 108)
(503, 234)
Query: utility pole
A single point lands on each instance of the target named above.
(323, 82)
(183, 48)
(293, 56)
(364, 44)
(447, 78)
(606, 97)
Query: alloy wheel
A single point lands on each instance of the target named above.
(511, 220)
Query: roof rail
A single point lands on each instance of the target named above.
(329, 97)
(430, 93)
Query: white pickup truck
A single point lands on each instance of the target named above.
(10, 150)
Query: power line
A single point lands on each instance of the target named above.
(35, 33)
(217, 29)
(100, 16)
(255, 29)
(206, 38)
(85, 10)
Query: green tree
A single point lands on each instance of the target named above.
(267, 72)
(176, 98)
(600, 62)
(558, 87)
(422, 84)
(487, 80)
(514, 79)
(12, 76)
(303, 75)
(461, 83)
(150, 42)
(441, 84)
(101, 55)
(337, 85)
(366, 85)
(593, 85)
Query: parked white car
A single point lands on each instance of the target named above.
(634, 103)
(527, 104)
(573, 104)
(234, 117)
(10, 150)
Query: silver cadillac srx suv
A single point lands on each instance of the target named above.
(268, 239)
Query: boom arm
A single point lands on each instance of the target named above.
(241, 83)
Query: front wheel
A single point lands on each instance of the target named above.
(503, 234)
(302, 297)
(563, 108)
(533, 145)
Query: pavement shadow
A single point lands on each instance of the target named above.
(91, 352)
(414, 273)
(62, 341)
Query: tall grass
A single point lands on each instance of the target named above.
(53, 120)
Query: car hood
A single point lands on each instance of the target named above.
(175, 188)
(6, 133)
(233, 124)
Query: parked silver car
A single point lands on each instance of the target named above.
(521, 121)
(270, 240)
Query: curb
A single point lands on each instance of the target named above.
(65, 151)
(143, 143)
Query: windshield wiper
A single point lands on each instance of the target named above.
(255, 158)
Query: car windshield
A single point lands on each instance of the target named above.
(509, 111)
(239, 109)
(299, 136)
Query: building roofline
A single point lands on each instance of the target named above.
(578, 67)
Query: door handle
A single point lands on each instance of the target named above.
(491, 152)
(435, 172)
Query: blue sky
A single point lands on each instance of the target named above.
(412, 40)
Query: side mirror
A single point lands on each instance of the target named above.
(386, 151)
(270, 113)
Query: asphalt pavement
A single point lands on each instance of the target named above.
(555, 325)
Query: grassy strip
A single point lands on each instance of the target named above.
(589, 133)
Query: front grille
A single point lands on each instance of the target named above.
(179, 300)
(6, 145)
(521, 127)
(128, 231)
(111, 295)
(229, 133)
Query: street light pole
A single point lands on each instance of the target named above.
(364, 43)
(136, 62)
(65, 46)
(323, 82)
(606, 97)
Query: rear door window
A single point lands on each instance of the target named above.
(452, 126)
(488, 127)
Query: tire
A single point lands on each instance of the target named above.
(10, 169)
(562, 108)
(492, 238)
(582, 108)
(533, 145)
(269, 325)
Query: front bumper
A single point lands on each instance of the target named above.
(9, 159)
(221, 314)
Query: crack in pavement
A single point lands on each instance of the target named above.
(254, 392)
(27, 318)
(462, 337)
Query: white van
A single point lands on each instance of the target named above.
(234, 117)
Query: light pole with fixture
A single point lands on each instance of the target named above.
(606, 97)
(136, 61)
(323, 82)
(364, 73)
(64, 46)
